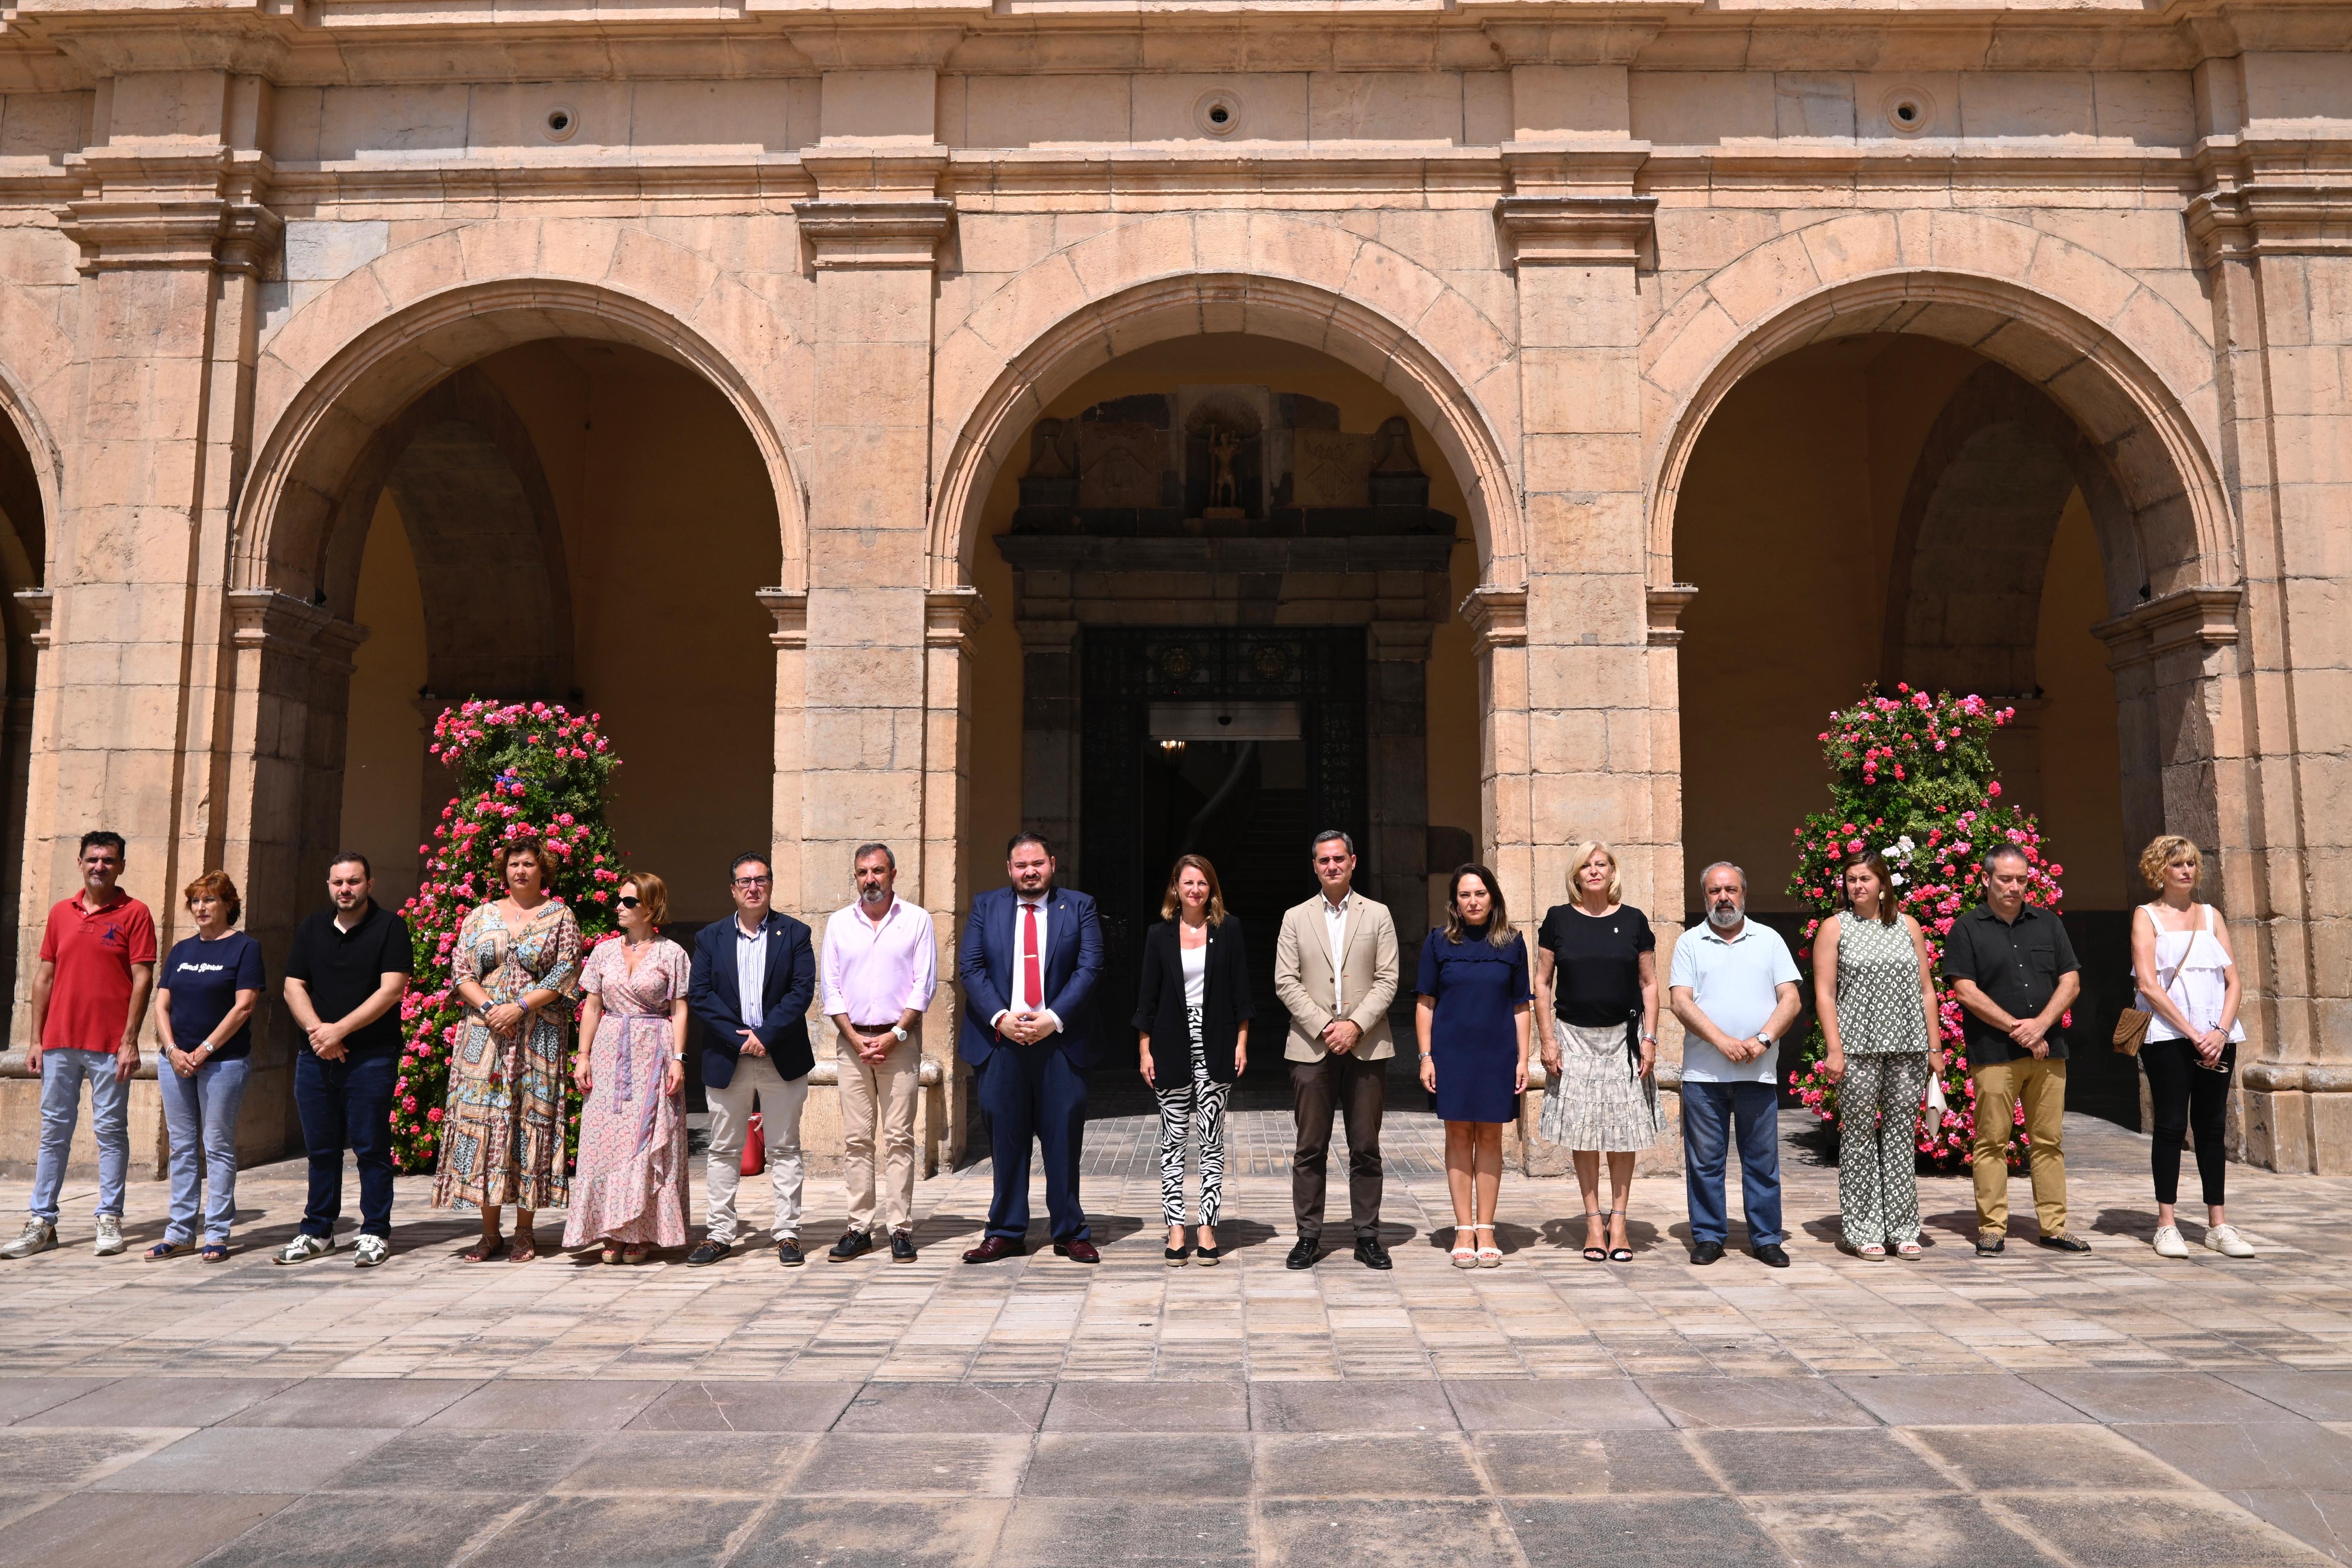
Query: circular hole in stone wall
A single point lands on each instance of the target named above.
(1909, 111)
(562, 123)
(1219, 113)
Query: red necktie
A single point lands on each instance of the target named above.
(1030, 977)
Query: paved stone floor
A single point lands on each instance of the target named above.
(2113, 1410)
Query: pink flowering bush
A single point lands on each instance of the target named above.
(524, 770)
(1914, 779)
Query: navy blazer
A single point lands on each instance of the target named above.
(716, 998)
(1074, 961)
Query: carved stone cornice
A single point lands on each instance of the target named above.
(1667, 605)
(1554, 41)
(789, 608)
(2271, 199)
(157, 208)
(1573, 228)
(265, 620)
(2201, 618)
(1498, 618)
(883, 234)
(951, 615)
(41, 604)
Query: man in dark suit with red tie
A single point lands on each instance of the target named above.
(1031, 955)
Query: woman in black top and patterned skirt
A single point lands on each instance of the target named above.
(1597, 977)
(1195, 1001)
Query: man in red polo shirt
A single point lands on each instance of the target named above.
(89, 997)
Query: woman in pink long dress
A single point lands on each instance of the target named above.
(629, 1192)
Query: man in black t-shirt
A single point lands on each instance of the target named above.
(2015, 974)
(344, 977)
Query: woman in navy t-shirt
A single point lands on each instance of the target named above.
(204, 1016)
(1473, 1025)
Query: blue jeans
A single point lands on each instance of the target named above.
(346, 1105)
(62, 1074)
(201, 1112)
(1710, 1111)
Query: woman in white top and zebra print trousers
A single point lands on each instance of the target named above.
(1194, 1000)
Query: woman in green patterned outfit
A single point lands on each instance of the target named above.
(1872, 990)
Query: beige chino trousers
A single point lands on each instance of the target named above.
(883, 1092)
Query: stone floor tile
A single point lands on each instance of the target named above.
(1331, 1464)
(110, 1531)
(41, 1459)
(1369, 1406)
(619, 1532)
(953, 1464)
(726, 1406)
(998, 1407)
(550, 1404)
(850, 1532)
(2153, 1396)
(24, 1396)
(2323, 1396)
(1552, 1405)
(1134, 1532)
(2045, 1458)
(1901, 1532)
(249, 1459)
(1366, 1533)
(1165, 1465)
(1754, 1402)
(2176, 1529)
(1594, 1464)
(1911, 1399)
(2234, 1458)
(160, 1402)
(1640, 1533)
(2322, 1518)
(1158, 1406)
(408, 1529)
(356, 1402)
(1873, 1461)
(688, 1464)
(430, 1458)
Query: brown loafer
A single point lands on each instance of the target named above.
(1078, 1251)
(995, 1247)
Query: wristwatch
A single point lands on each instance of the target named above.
(1765, 1040)
(899, 1033)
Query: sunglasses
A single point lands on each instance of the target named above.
(628, 903)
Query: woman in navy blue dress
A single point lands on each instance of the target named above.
(1473, 1018)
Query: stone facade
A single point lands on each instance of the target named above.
(246, 248)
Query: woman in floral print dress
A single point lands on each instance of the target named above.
(517, 967)
(629, 1192)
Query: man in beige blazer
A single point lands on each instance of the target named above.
(1335, 968)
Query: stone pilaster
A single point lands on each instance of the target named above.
(1399, 681)
(1498, 620)
(39, 887)
(1050, 735)
(950, 616)
(789, 607)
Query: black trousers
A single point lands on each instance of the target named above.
(1356, 1090)
(2187, 1097)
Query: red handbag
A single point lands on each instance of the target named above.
(755, 1148)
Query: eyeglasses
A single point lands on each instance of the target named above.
(628, 903)
(754, 881)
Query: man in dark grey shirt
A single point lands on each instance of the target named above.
(2015, 975)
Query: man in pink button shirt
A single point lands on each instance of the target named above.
(881, 964)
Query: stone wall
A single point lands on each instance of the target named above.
(240, 245)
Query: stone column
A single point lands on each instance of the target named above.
(40, 888)
(1051, 742)
(952, 615)
(790, 640)
(1400, 782)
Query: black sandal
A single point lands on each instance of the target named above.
(1595, 1254)
(1177, 1256)
(1620, 1254)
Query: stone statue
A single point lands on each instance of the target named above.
(1222, 444)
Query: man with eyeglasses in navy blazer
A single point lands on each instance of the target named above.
(754, 977)
(1029, 957)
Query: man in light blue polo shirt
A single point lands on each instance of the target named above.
(1734, 987)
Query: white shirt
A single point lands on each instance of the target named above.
(1022, 1004)
(1335, 921)
(751, 969)
(1195, 963)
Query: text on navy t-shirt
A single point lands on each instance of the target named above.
(204, 978)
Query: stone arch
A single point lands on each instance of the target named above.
(1963, 597)
(323, 394)
(2134, 374)
(1316, 285)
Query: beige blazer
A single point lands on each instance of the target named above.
(1302, 976)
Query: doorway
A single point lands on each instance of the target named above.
(1236, 743)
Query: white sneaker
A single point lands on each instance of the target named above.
(109, 1234)
(370, 1251)
(2225, 1240)
(303, 1249)
(2168, 1243)
(39, 1236)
